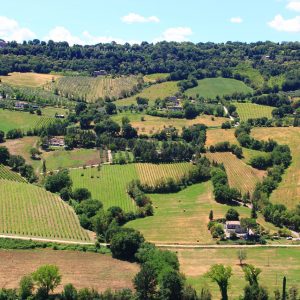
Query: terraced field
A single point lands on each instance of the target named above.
(155, 91)
(109, 184)
(92, 89)
(253, 111)
(241, 176)
(6, 173)
(213, 87)
(288, 191)
(151, 173)
(28, 210)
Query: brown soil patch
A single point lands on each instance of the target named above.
(215, 136)
(90, 270)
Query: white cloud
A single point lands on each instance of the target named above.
(136, 18)
(175, 34)
(285, 25)
(10, 30)
(236, 20)
(294, 5)
(62, 34)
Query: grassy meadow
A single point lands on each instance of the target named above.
(253, 111)
(159, 90)
(213, 87)
(183, 217)
(28, 79)
(274, 263)
(155, 77)
(288, 191)
(28, 210)
(21, 120)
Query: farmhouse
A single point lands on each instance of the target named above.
(100, 73)
(20, 105)
(57, 142)
(59, 116)
(234, 227)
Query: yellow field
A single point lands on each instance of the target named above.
(28, 210)
(155, 77)
(215, 136)
(155, 91)
(241, 176)
(288, 192)
(28, 79)
(151, 173)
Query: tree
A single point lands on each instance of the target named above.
(26, 287)
(125, 243)
(15, 162)
(221, 275)
(211, 215)
(191, 111)
(34, 153)
(69, 292)
(44, 168)
(232, 215)
(205, 294)
(171, 285)
(110, 108)
(47, 278)
(145, 283)
(2, 136)
(4, 155)
(255, 292)
(57, 182)
(248, 223)
(242, 255)
(80, 194)
(284, 288)
(251, 274)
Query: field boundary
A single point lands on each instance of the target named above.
(37, 239)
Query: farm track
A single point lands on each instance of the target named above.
(172, 246)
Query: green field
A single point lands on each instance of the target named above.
(253, 111)
(108, 184)
(183, 217)
(213, 87)
(28, 210)
(245, 69)
(21, 120)
(6, 173)
(93, 88)
(155, 91)
(60, 159)
(274, 263)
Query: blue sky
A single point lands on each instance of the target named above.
(93, 21)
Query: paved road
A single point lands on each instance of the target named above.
(227, 113)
